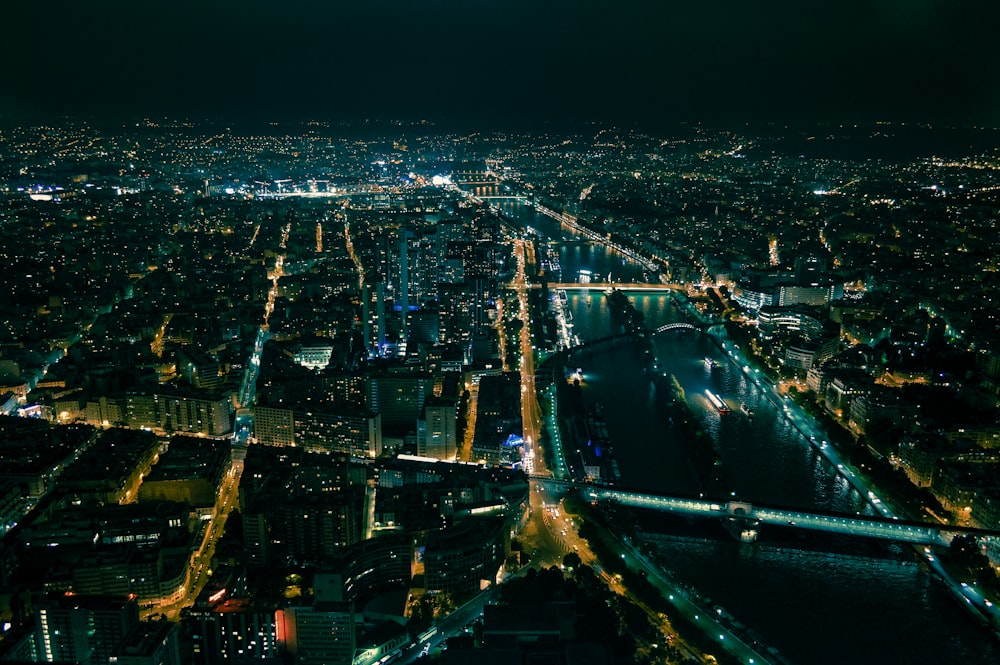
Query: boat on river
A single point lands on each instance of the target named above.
(719, 404)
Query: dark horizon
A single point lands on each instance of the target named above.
(517, 62)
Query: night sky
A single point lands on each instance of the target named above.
(652, 61)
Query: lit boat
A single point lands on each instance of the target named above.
(717, 402)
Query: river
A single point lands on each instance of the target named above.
(816, 601)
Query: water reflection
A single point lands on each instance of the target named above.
(833, 601)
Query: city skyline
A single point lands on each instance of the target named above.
(385, 332)
(493, 62)
(249, 352)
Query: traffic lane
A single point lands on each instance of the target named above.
(698, 615)
(450, 626)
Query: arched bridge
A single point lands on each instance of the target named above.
(620, 338)
(753, 516)
(678, 326)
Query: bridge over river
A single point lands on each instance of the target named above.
(745, 519)
(621, 338)
(606, 286)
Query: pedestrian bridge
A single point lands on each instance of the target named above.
(751, 516)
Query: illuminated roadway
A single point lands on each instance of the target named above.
(551, 532)
(530, 412)
(199, 563)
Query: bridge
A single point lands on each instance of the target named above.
(619, 338)
(475, 177)
(604, 286)
(481, 184)
(679, 326)
(749, 517)
(616, 339)
(572, 222)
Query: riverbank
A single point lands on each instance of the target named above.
(814, 607)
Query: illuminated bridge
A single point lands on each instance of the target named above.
(677, 326)
(604, 286)
(621, 338)
(750, 517)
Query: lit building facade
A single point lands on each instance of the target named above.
(323, 634)
(235, 631)
(320, 430)
(170, 413)
(437, 430)
(83, 629)
(459, 559)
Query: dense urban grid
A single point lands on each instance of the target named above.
(307, 393)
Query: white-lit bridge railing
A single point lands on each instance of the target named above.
(656, 502)
(886, 530)
(843, 524)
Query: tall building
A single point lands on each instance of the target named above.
(83, 629)
(399, 398)
(461, 558)
(373, 314)
(358, 434)
(320, 428)
(370, 566)
(423, 327)
(437, 429)
(404, 273)
(200, 369)
(451, 265)
(455, 307)
(306, 526)
(235, 631)
(482, 323)
(415, 280)
(323, 634)
(274, 426)
(180, 413)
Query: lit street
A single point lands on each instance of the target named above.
(678, 333)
